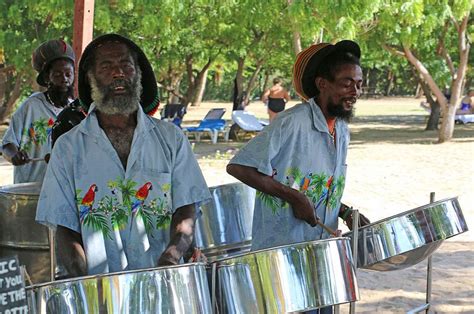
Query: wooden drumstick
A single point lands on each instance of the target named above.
(328, 230)
(36, 159)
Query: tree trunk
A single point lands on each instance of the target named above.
(390, 80)
(9, 95)
(441, 99)
(175, 82)
(296, 37)
(447, 123)
(201, 81)
(265, 83)
(297, 42)
(238, 85)
(187, 98)
(435, 113)
(252, 83)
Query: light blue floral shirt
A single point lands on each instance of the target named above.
(298, 151)
(30, 130)
(123, 215)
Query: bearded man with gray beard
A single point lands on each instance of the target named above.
(115, 190)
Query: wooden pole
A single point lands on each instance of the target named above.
(83, 30)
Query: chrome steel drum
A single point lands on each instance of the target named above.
(176, 289)
(225, 226)
(408, 238)
(296, 277)
(20, 234)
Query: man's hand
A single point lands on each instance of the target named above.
(20, 158)
(303, 209)
(363, 221)
(14, 155)
(71, 251)
(167, 259)
(181, 235)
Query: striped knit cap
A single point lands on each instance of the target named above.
(48, 52)
(308, 61)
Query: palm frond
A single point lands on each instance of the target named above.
(147, 219)
(272, 202)
(98, 222)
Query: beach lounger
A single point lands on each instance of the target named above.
(212, 124)
(246, 122)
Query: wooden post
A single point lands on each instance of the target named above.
(83, 30)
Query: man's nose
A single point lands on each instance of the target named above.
(356, 90)
(118, 72)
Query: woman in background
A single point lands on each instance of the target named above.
(275, 98)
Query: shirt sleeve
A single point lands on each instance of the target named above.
(56, 204)
(15, 129)
(259, 152)
(187, 182)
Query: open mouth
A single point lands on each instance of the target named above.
(119, 89)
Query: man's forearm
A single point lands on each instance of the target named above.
(9, 150)
(262, 182)
(181, 235)
(71, 252)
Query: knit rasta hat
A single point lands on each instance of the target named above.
(308, 61)
(48, 52)
(149, 99)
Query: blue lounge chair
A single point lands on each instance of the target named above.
(212, 124)
(173, 113)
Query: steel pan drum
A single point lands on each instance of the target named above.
(296, 277)
(225, 226)
(19, 233)
(408, 238)
(175, 289)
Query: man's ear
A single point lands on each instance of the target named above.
(320, 83)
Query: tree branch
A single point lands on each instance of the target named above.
(426, 76)
(442, 51)
(393, 50)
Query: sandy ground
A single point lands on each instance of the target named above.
(393, 165)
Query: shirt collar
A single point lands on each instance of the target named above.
(319, 121)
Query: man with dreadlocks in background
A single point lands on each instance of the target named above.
(27, 140)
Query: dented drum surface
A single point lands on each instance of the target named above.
(403, 240)
(225, 226)
(175, 289)
(296, 277)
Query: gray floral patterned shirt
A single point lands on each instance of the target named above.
(30, 130)
(123, 215)
(297, 150)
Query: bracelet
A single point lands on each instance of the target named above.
(346, 213)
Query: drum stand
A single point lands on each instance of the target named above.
(429, 269)
(355, 240)
(52, 254)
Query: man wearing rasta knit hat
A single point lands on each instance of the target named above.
(27, 141)
(125, 199)
(298, 162)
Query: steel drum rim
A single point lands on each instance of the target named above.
(3, 191)
(385, 246)
(280, 247)
(105, 275)
(368, 266)
(413, 210)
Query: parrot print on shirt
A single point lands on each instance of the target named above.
(87, 202)
(140, 197)
(121, 204)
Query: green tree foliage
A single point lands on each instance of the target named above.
(24, 25)
(241, 44)
(432, 37)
